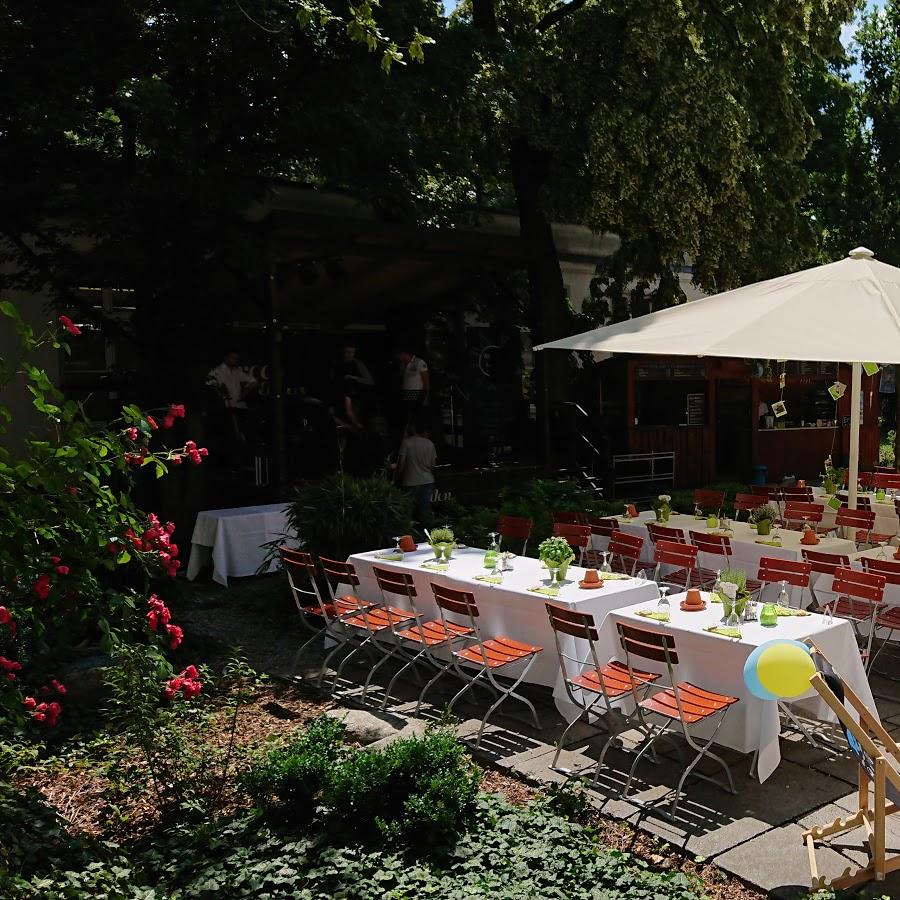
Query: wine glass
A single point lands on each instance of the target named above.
(662, 606)
(605, 567)
(397, 545)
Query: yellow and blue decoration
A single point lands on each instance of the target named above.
(779, 670)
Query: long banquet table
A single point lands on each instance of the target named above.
(716, 662)
(886, 521)
(508, 608)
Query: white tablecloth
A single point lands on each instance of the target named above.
(233, 539)
(509, 609)
(717, 663)
(886, 521)
(746, 552)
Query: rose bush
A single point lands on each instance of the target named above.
(76, 556)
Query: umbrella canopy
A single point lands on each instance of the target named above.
(846, 311)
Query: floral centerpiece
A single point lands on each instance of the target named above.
(442, 541)
(555, 553)
(762, 517)
(737, 577)
(833, 478)
(662, 508)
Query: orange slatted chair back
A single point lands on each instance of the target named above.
(707, 499)
(461, 603)
(795, 511)
(794, 572)
(716, 544)
(576, 535)
(298, 561)
(339, 572)
(603, 525)
(516, 527)
(671, 553)
(890, 569)
(745, 502)
(825, 563)
(888, 481)
(394, 582)
(659, 532)
(647, 644)
(570, 621)
(863, 519)
(627, 545)
(864, 585)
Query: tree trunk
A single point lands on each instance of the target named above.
(530, 172)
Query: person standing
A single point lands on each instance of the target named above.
(231, 381)
(416, 384)
(351, 384)
(415, 469)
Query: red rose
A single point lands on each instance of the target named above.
(191, 672)
(63, 570)
(59, 687)
(168, 421)
(42, 586)
(55, 559)
(53, 712)
(175, 460)
(29, 703)
(176, 411)
(72, 490)
(5, 616)
(190, 445)
(152, 423)
(203, 451)
(176, 635)
(131, 433)
(112, 548)
(69, 325)
(10, 665)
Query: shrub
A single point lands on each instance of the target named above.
(343, 514)
(417, 790)
(290, 779)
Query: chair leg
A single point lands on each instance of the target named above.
(343, 640)
(653, 733)
(365, 645)
(386, 655)
(703, 750)
(584, 713)
(295, 665)
(390, 688)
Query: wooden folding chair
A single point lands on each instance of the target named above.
(886, 480)
(797, 514)
(773, 570)
(625, 553)
(413, 643)
(659, 532)
(878, 758)
(889, 616)
(859, 599)
(683, 557)
(578, 537)
(588, 683)
(719, 547)
(744, 503)
(357, 629)
(683, 702)
(709, 500)
(762, 490)
(858, 526)
(603, 526)
(487, 655)
(515, 528)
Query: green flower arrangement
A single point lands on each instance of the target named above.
(737, 577)
(762, 517)
(442, 542)
(555, 552)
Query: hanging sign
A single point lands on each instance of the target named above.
(870, 368)
(779, 408)
(781, 379)
(888, 384)
(837, 390)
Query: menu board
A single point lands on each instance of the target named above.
(696, 409)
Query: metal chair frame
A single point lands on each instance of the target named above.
(660, 647)
(350, 633)
(863, 596)
(804, 513)
(590, 675)
(452, 602)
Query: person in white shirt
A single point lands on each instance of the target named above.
(231, 381)
(416, 383)
(415, 469)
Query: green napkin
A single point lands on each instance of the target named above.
(613, 576)
(546, 591)
(724, 630)
(436, 566)
(652, 614)
(490, 579)
(767, 542)
(787, 611)
(395, 557)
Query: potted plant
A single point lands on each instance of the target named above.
(662, 508)
(442, 541)
(555, 553)
(762, 517)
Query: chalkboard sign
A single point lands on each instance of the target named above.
(659, 372)
(689, 371)
(696, 409)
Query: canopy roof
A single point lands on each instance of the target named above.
(846, 311)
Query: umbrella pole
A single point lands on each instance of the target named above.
(853, 474)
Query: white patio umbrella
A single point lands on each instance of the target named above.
(845, 311)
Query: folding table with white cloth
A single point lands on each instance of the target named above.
(886, 521)
(747, 546)
(233, 540)
(717, 663)
(509, 608)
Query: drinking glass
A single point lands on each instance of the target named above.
(662, 606)
(397, 545)
(605, 567)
